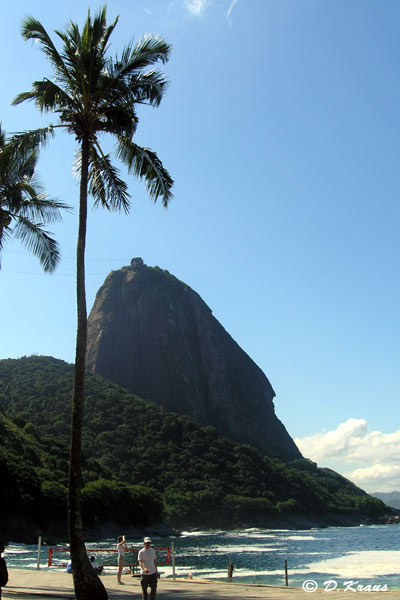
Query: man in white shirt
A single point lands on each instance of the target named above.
(148, 563)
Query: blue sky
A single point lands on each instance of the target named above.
(281, 129)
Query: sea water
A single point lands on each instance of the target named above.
(366, 556)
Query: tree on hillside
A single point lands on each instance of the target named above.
(24, 207)
(94, 94)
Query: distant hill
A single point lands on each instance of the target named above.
(389, 498)
(143, 464)
(155, 336)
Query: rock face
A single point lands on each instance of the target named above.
(154, 335)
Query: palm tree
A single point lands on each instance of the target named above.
(24, 207)
(93, 94)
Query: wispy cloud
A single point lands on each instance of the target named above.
(197, 7)
(229, 11)
(369, 458)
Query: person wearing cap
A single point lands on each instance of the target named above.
(147, 559)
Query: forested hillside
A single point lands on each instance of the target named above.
(144, 465)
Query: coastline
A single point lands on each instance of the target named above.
(25, 532)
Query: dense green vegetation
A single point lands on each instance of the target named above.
(142, 464)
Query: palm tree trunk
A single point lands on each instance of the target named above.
(88, 585)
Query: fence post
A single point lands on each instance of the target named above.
(173, 560)
(38, 552)
(286, 574)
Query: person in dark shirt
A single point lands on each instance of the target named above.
(3, 568)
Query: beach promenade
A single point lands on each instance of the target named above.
(27, 584)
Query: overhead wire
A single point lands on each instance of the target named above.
(103, 260)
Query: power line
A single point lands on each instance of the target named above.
(42, 273)
(87, 260)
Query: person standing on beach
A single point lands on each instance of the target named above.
(3, 568)
(147, 558)
(121, 549)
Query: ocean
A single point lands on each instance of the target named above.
(364, 556)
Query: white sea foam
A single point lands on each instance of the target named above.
(235, 549)
(200, 533)
(183, 571)
(370, 563)
(309, 553)
(247, 533)
(300, 537)
(252, 535)
(30, 565)
(229, 549)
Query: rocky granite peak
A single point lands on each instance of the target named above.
(154, 335)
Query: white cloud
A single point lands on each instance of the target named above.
(369, 458)
(333, 444)
(229, 11)
(197, 7)
(377, 477)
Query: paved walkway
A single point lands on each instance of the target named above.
(27, 584)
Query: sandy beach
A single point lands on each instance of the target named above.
(27, 584)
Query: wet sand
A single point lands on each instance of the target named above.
(27, 584)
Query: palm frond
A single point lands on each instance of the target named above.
(22, 200)
(103, 46)
(100, 32)
(39, 242)
(148, 50)
(23, 97)
(33, 29)
(5, 235)
(35, 206)
(148, 87)
(145, 164)
(28, 141)
(71, 37)
(16, 166)
(105, 186)
(84, 52)
(47, 96)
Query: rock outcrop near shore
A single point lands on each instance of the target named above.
(155, 336)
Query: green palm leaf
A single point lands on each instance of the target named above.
(32, 29)
(38, 241)
(148, 50)
(105, 186)
(24, 207)
(145, 164)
